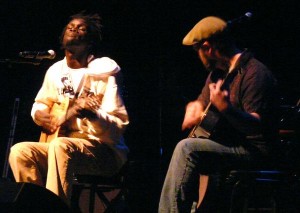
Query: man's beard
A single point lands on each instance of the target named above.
(73, 43)
(212, 65)
(76, 47)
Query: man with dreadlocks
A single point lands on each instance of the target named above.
(80, 107)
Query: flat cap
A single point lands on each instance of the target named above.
(204, 29)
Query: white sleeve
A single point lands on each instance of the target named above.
(37, 106)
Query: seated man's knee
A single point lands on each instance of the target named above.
(183, 146)
(61, 144)
(18, 151)
(189, 144)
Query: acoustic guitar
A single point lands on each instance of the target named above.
(60, 116)
(212, 124)
(59, 109)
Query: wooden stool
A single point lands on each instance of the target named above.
(262, 191)
(99, 185)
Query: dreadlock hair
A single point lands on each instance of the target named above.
(93, 22)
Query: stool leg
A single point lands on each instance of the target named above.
(76, 192)
(238, 201)
(103, 198)
(112, 205)
(92, 198)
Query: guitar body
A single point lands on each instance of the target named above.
(215, 127)
(207, 126)
(58, 110)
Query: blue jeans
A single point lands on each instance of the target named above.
(191, 157)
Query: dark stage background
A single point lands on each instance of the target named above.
(160, 75)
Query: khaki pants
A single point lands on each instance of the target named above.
(53, 164)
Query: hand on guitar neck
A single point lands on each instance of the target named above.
(85, 107)
(219, 97)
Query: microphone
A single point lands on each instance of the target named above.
(50, 54)
(247, 16)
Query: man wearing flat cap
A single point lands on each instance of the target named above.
(233, 120)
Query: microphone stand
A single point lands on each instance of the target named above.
(19, 61)
(11, 137)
